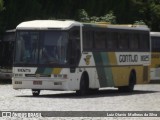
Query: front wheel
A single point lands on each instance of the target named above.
(35, 92)
(84, 86)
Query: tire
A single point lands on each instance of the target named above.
(130, 87)
(35, 92)
(84, 86)
(132, 82)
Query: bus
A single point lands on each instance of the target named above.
(155, 64)
(81, 57)
(6, 54)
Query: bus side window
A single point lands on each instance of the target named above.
(108, 41)
(112, 41)
(155, 44)
(144, 43)
(123, 41)
(87, 40)
(100, 38)
(133, 42)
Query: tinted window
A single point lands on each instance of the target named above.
(133, 42)
(112, 41)
(100, 38)
(155, 44)
(87, 40)
(123, 41)
(144, 41)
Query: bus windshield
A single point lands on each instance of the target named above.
(41, 47)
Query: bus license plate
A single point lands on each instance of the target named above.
(37, 82)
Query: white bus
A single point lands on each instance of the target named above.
(155, 64)
(69, 55)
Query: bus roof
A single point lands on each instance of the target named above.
(48, 24)
(141, 27)
(155, 34)
(66, 24)
(119, 26)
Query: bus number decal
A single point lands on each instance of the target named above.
(145, 58)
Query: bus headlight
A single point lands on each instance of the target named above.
(18, 82)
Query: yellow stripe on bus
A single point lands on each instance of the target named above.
(112, 58)
(56, 71)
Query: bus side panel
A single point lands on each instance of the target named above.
(93, 78)
(155, 66)
(74, 80)
(87, 64)
(104, 71)
(111, 72)
(122, 74)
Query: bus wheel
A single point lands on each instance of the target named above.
(35, 92)
(132, 82)
(130, 87)
(84, 86)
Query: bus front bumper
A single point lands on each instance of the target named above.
(40, 84)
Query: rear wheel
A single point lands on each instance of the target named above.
(35, 92)
(84, 86)
(132, 82)
(130, 87)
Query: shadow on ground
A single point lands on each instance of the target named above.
(100, 93)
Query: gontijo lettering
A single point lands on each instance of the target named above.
(128, 58)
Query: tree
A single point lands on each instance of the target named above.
(20, 10)
(83, 16)
(12, 12)
(140, 22)
(109, 17)
(1, 16)
(155, 17)
(1, 5)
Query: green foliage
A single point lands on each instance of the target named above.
(1, 17)
(113, 11)
(1, 5)
(140, 22)
(20, 10)
(110, 17)
(94, 19)
(155, 16)
(83, 16)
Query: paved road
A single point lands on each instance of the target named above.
(144, 98)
